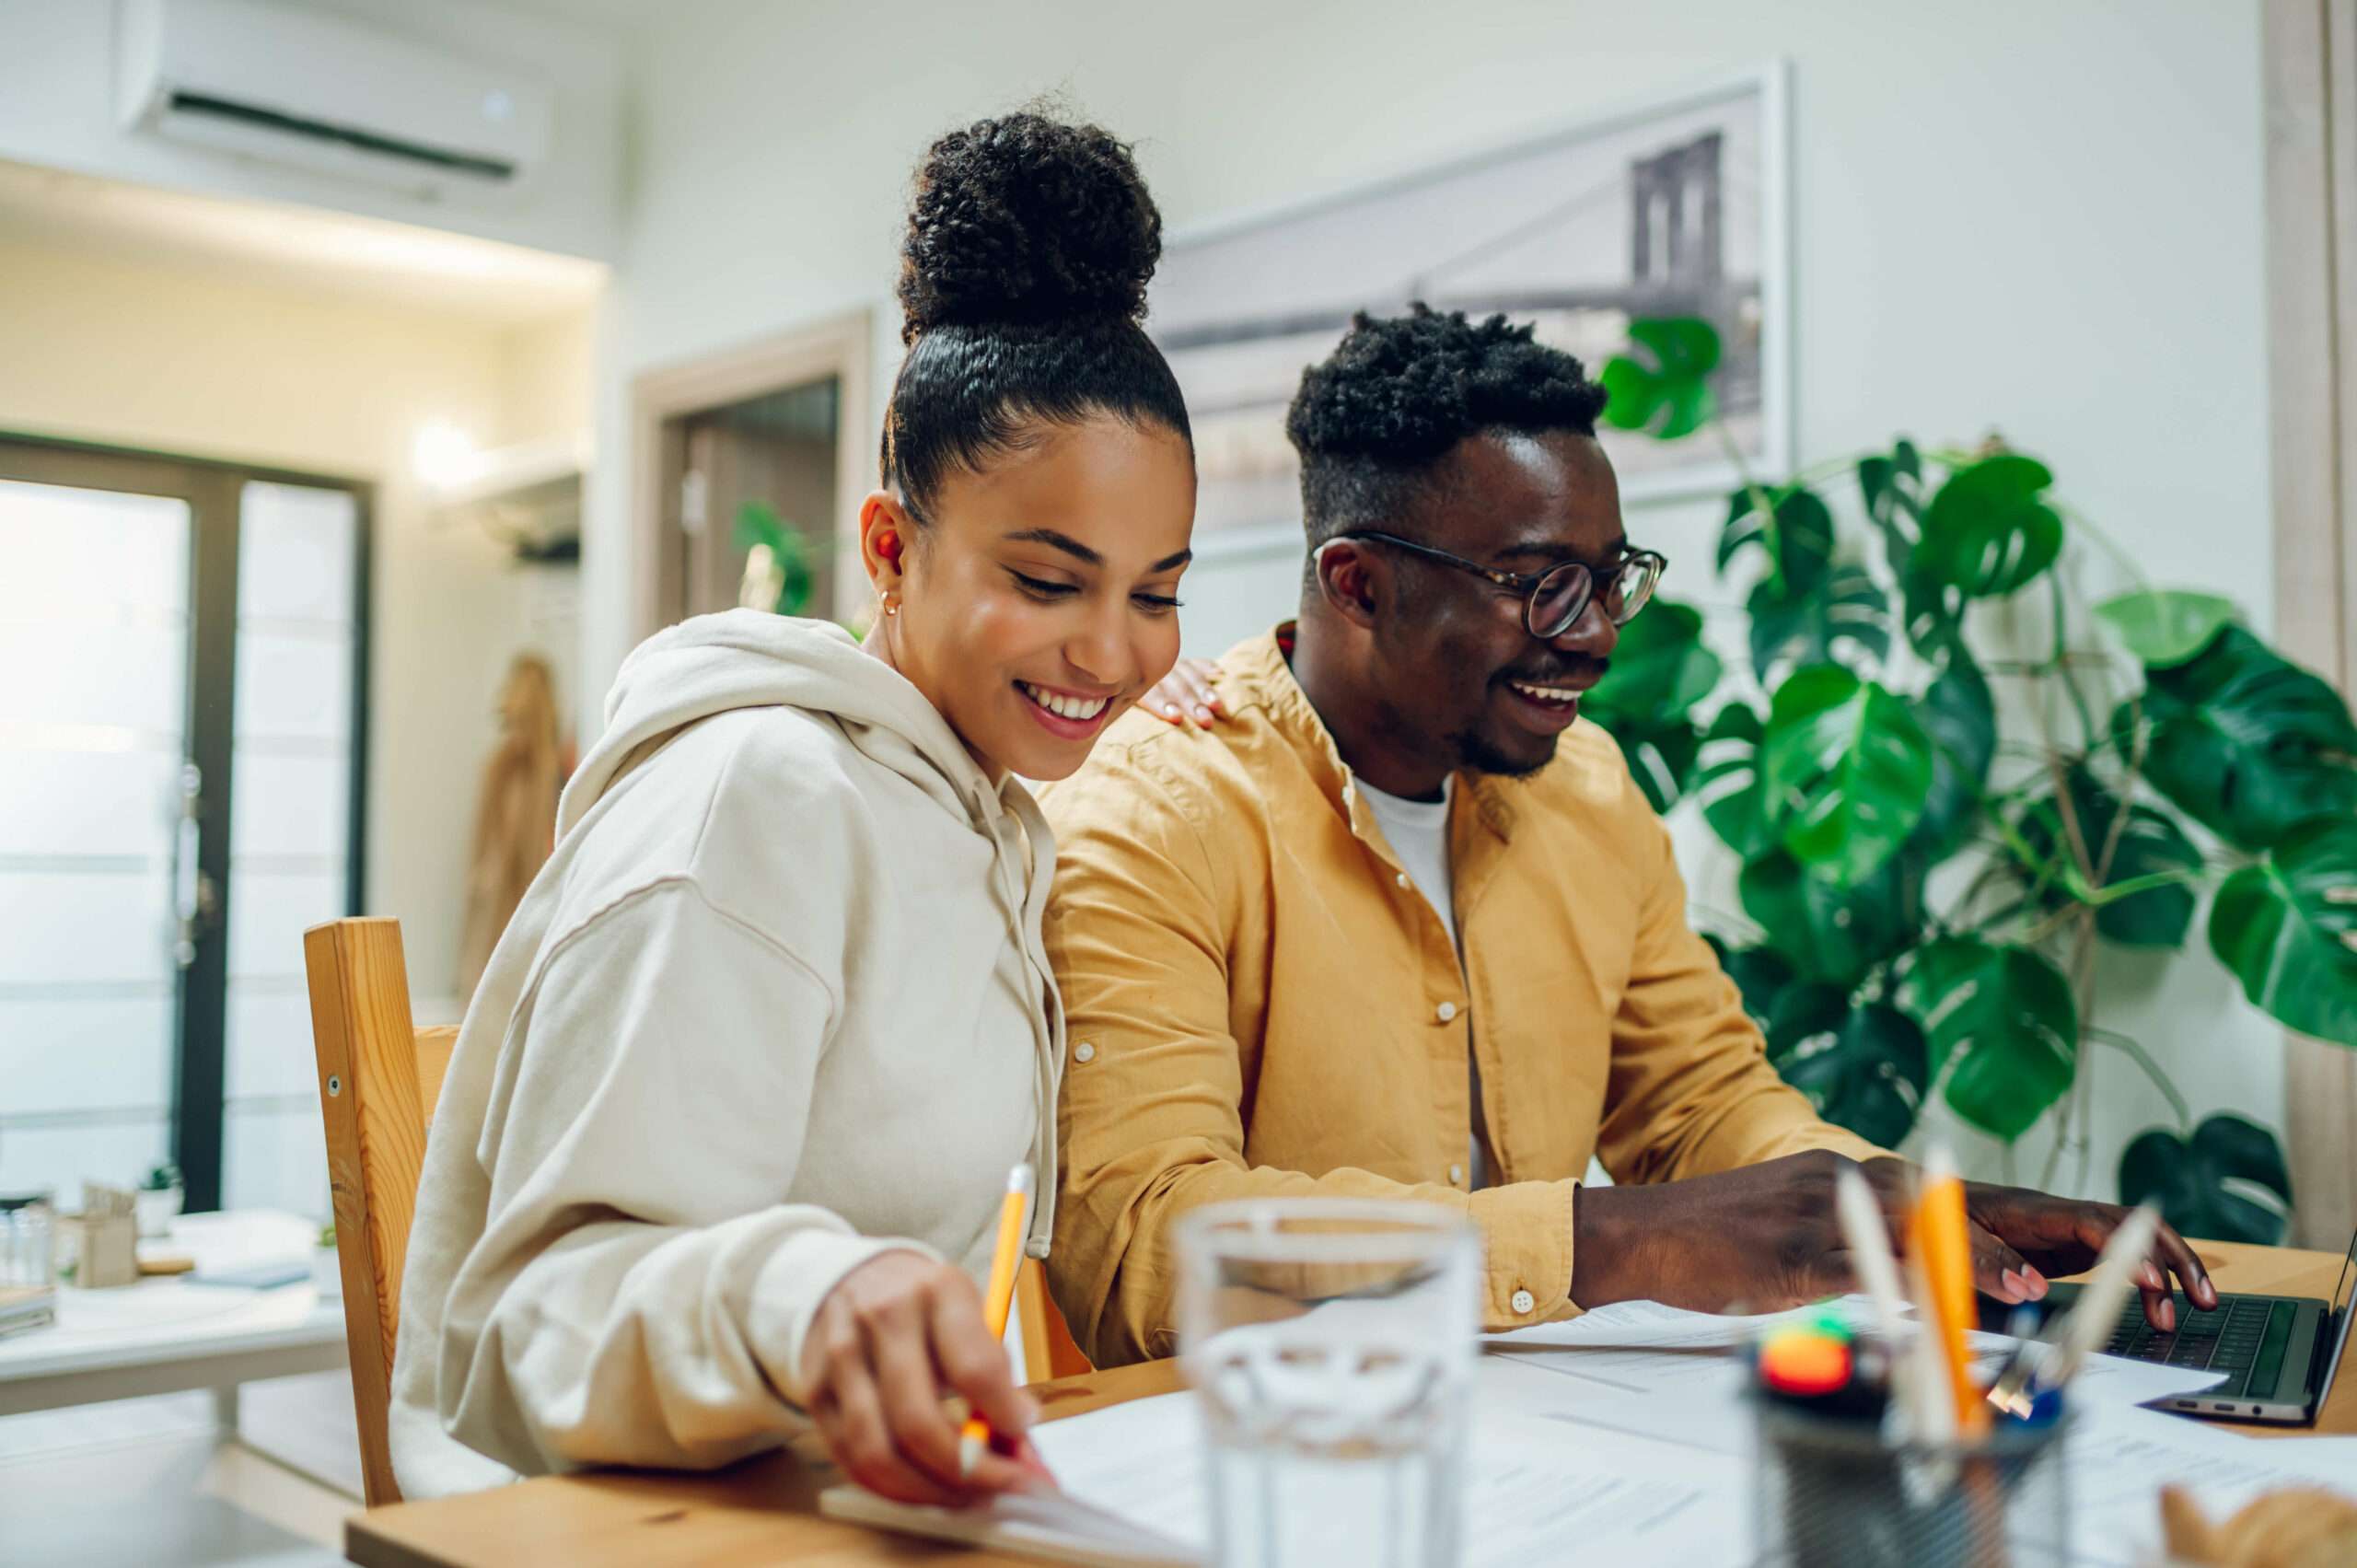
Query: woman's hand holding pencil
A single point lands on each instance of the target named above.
(896, 1338)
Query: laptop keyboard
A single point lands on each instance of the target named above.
(2244, 1338)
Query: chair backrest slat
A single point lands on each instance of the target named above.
(434, 1047)
(377, 1087)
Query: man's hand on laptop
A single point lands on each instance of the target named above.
(1767, 1236)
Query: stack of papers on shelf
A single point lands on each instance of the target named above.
(25, 1307)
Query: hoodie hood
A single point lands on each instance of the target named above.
(748, 658)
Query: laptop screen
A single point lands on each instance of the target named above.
(2344, 1296)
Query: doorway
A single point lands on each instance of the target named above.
(180, 795)
(768, 447)
(757, 504)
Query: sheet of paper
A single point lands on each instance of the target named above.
(1044, 1524)
(1644, 1369)
(1531, 1486)
(1652, 1325)
(2121, 1456)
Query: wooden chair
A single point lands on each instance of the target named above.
(379, 1077)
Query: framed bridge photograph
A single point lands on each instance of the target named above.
(1676, 206)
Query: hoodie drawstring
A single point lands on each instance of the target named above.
(1032, 829)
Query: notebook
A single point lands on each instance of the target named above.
(1054, 1526)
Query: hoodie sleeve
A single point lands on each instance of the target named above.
(638, 1294)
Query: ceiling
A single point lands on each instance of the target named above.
(296, 248)
(620, 15)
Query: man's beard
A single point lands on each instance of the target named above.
(1467, 750)
(1477, 755)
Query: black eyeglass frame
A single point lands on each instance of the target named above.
(1528, 584)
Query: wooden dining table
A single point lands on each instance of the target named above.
(764, 1510)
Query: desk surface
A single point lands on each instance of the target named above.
(763, 1511)
(162, 1335)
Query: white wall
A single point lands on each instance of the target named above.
(141, 356)
(2040, 217)
(57, 110)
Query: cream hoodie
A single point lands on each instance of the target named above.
(776, 1005)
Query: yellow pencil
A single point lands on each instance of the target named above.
(1943, 1234)
(1014, 1219)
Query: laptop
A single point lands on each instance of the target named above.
(2278, 1353)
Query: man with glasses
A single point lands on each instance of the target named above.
(1399, 927)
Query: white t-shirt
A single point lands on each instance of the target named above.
(1418, 833)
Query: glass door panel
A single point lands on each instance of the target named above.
(95, 631)
(291, 835)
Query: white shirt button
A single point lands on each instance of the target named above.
(1523, 1301)
(1456, 1176)
(1447, 1011)
(1083, 1051)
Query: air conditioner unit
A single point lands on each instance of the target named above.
(319, 92)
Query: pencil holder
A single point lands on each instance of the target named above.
(1831, 1492)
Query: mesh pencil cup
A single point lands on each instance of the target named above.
(1833, 1492)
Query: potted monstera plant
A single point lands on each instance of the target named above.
(1950, 782)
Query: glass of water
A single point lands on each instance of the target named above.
(1331, 1341)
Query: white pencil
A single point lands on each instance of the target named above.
(1868, 1236)
(2091, 1322)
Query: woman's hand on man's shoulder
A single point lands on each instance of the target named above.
(1185, 695)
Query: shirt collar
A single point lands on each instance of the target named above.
(1265, 663)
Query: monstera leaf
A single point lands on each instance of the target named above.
(1844, 618)
(1676, 388)
(2150, 843)
(2190, 1178)
(1960, 716)
(2287, 927)
(2248, 743)
(1931, 614)
(1659, 670)
(1659, 667)
(1847, 768)
(1734, 802)
(2165, 626)
(1797, 534)
(1892, 488)
(1988, 529)
(2003, 1030)
(1835, 935)
(1865, 1068)
(1760, 975)
(1660, 755)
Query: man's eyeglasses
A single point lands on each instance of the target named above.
(1561, 595)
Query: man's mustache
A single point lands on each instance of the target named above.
(1571, 670)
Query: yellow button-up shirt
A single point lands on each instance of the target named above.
(1260, 1003)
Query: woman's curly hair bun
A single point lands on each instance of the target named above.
(1027, 219)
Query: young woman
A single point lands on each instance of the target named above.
(721, 1151)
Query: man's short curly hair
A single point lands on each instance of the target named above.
(1373, 418)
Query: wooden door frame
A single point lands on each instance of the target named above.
(841, 346)
(2309, 50)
